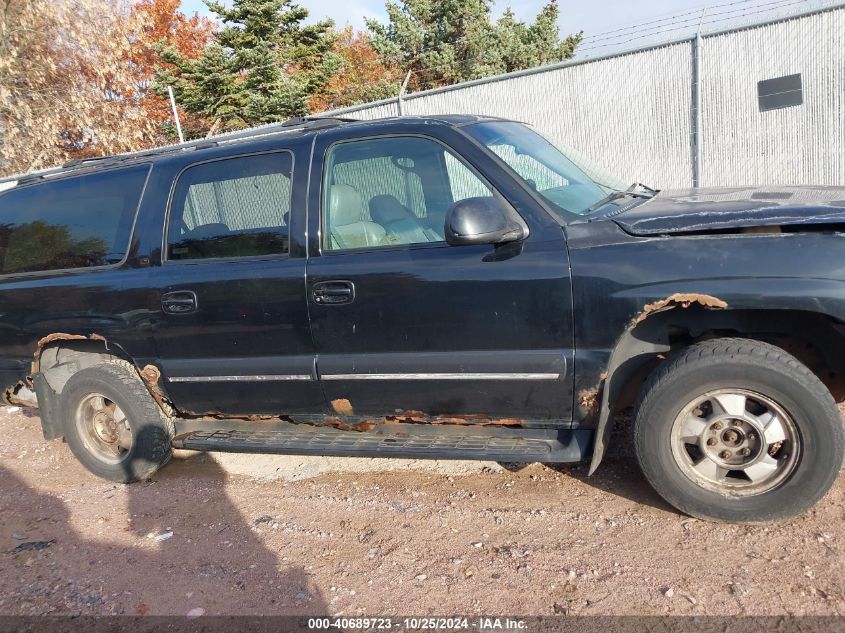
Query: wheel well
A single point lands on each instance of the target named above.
(815, 339)
(58, 361)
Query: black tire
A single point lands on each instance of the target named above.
(754, 367)
(151, 430)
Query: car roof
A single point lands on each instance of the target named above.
(296, 127)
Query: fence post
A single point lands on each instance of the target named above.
(696, 104)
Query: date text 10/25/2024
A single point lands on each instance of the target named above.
(419, 624)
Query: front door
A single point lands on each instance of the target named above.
(401, 320)
(234, 335)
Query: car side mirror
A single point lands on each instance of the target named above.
(483, 220)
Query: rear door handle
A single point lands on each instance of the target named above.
(179, 302)
(334, 292)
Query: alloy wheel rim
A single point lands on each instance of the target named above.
(103, 428)
(736, 442)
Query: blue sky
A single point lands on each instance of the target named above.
(594, 16)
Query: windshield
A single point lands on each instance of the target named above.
(546, 169)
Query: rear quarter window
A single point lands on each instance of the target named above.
(75, 222)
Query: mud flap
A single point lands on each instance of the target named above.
(628, 356)
(48, 405)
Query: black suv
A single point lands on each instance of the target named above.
(445, 287)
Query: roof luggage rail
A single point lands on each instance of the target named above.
(290, 125)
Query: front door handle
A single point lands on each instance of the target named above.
(334, 292)
(179, 302)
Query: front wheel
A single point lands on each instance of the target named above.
(738, 430)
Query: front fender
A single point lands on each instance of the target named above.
(647, 332)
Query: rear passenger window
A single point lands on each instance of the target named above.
(392, 191)
(235, 207)
(75, 222)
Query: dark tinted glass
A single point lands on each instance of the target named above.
(70, 223)
(237, 207)
(780, 92)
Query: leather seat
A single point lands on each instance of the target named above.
(401, 225)
(347, 229)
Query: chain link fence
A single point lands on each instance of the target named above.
(635, 113)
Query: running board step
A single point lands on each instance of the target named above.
(331, 442)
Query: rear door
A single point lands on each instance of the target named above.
(233, 335)
(401, 320)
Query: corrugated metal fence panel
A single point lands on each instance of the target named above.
(627, 114)
(802, 144)
(373, 111)
(631, 114)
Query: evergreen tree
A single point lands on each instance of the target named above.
(161, 23)
(262, 67)
(448, 41)
(359, 77)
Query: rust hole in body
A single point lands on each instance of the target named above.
(11, 392)
(342, 406)
(151, 375)
(411, 417)
(360, 424)
(588, 401)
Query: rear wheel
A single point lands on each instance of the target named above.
(738, 430)
(113, 425)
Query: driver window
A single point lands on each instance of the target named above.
(392, 191)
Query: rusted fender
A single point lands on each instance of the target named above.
(629, 346)
(150, 374)
(679, 300)
(62, 336)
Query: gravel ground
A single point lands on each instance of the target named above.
(477, 540)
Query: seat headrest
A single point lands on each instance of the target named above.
(209, 230)
(385, 209)
(345, 205)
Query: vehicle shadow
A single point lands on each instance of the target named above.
(179, 546)
(215, 553)
(619, 472)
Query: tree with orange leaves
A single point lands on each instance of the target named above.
(66, 89)
(360, 76)
(162, 24)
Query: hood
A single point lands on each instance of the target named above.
(702, 210)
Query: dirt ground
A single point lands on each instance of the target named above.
(540, 541)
